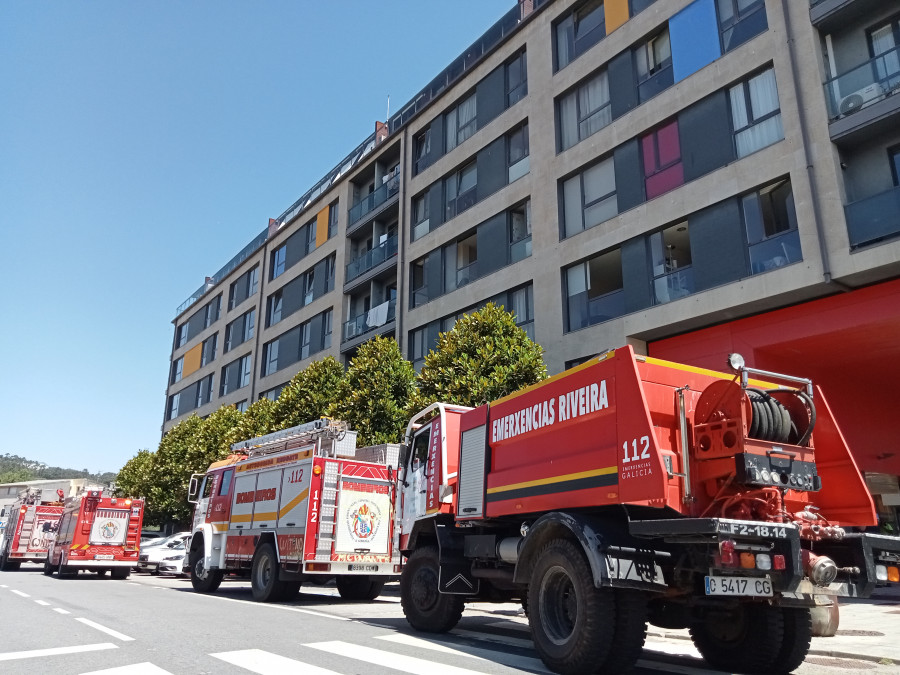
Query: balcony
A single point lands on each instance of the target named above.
(864, 95)
(371, 259)
(831, 16)
(377, 316)
(657, 82)
(375, 199)
(875, 219)
(674, 285)
(775, 252)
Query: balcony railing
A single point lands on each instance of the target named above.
(659, 81)
(864, 85)
(387, 249)
(467, 274)
(372, 201)
(375, 317)
(873, 219)
(673, 285)
(775, 252)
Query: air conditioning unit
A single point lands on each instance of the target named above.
(860, 99)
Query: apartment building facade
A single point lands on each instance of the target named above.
(691, 177)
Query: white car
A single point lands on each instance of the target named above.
(172, 563)
(152, 554)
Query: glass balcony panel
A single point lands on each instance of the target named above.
(420, 229)
(674, 285)
(520, 249)
(466, 274)
(873, 219)
(375, 199)
(519, 169)
(864, 85)
(375, 317)
(775, 252)
(587, 312)
(656, 83)
(373, 258)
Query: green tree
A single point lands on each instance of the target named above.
(135, 479)
(213, 439)
(309, 395)
(17, 475)
(484, 357)
(374, 395)
(170, 474)
(257, 420)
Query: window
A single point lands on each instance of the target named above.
(174, 401)
(461, 123)
(883, 43)
(241, 406)
(661, 151)
(740, 20)
(520, 232)
(270, 358)
(421, 150)
(181, 335)
(517, 153)
(211, 311)
(771, 225)
(594, 290)
(579, 31)
(273, 393)
(240, 330)
(305, 340)
(273, 308)
(420, 216)
(204, 391)
(755, 113)
(589, 198)
(460, 189)
(243, 287)
(279, 255)
(516, 79)
(418, 287)
(177, 369)
(208, 351)
(894, 157)
(225, 484)
(654, 55)
(466, 260)
(235, 375)
(245, 364)
(332, 219)
(327, 327)
(670, 255)
(584, 111)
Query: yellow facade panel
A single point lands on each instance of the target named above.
(616, 14)
(192, 360)
(322, 226)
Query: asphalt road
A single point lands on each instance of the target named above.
(151, 626)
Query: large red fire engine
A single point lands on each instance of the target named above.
(31, 525)
(98, 532)
(300, 504)
(629, 490)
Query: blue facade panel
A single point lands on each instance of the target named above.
(694, 35)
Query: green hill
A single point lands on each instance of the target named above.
(15, 469)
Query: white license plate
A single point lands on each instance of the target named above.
(104, 556)
(362, 568)
(746, 586)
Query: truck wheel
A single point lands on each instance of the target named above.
(118, 572)
(359, 588)
(630, 632)
(572, 621)
(202, 579)
(48, 569)
(425, 607)
(66, 572)
(748, 638)
(101, 573)
(797, 639)
(264, 581)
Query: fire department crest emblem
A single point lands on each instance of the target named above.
(109, 529)
(363, 520)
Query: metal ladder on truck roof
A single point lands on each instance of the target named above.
(287, 439)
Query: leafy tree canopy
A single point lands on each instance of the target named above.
(484, 357)
(374, 395)
(309, 395)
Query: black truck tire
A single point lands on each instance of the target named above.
(359, 587)
(572, 622)
(630, 631)
(66, 572)
(264, 581)
(202, 579)
(797, 639)
(745, 639)
(118, 572)
(425, 607)
(48, 569)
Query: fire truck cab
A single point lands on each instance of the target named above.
(31, 523)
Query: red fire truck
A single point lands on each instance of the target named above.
(300, 504)
(98, 532)
(31, 525)
(631, 490)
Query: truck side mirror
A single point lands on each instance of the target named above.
(194, 488)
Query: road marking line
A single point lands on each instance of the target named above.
(55, 651)
(674, 668)
(442, 645)
(43, 602)
(104, 629)
(510, 625)
(61, 610)
(145, 668)
(409, 664)
(24, 595)
(272, 606)
(266, 663)
(3, 586)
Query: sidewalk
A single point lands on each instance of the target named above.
(868, 630)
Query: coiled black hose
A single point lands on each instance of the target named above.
(771, 419)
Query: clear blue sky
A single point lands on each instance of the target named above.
(142, 145)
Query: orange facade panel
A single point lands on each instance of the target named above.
(616, 14)
(192, 360)
(322, 226)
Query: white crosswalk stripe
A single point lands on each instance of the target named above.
(434, 643)
(378, 657)
(145, 668)
(266, 663)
